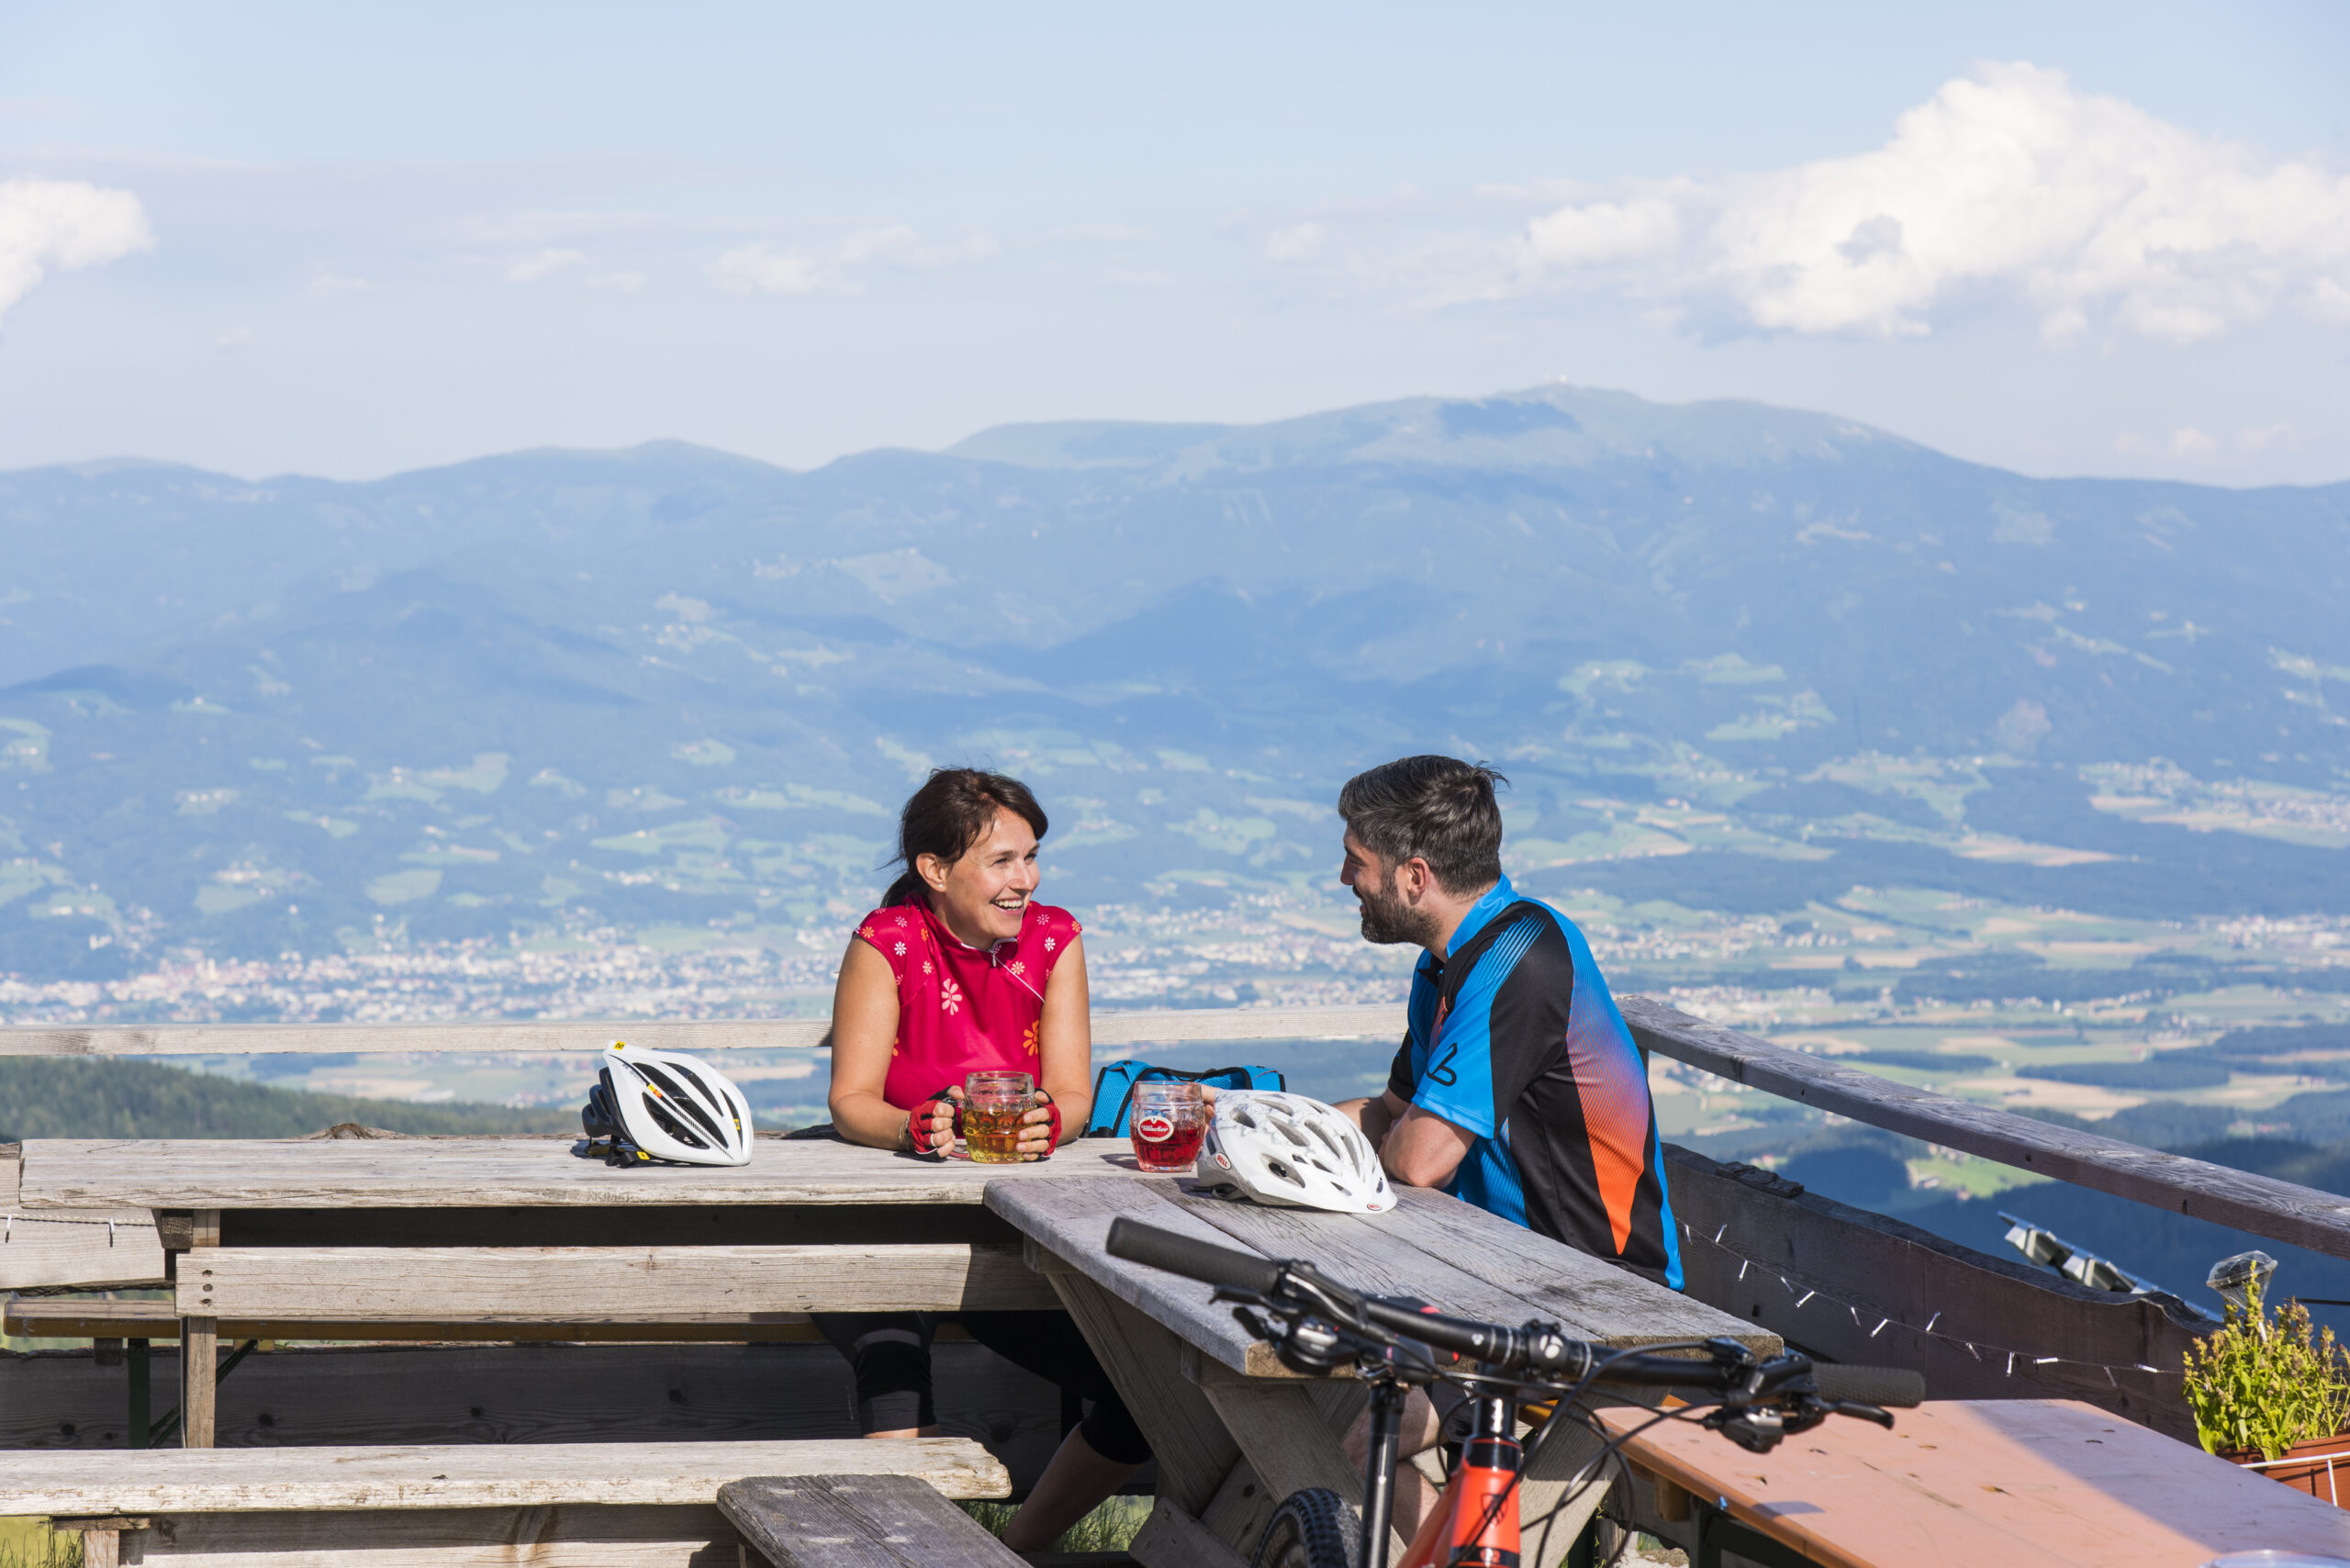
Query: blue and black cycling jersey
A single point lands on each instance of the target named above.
(1514, 1038)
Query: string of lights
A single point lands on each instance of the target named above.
(1804, 1294)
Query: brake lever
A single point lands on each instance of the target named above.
(1877, 1413)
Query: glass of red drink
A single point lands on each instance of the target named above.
(1167, 1122)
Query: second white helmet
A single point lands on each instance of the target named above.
(1291, 1152)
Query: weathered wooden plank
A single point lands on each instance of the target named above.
(349, 1395)
(542, 1037)
(1071, 1221)
(2261, 1204)
(1171, 1538)
(1440, 1250)
(519, 1172)
(179, 1481)
(98, 1248)
(1861, 1287)
(72, 1317)
(1589, 1297)
(2018, 1482)
(858, 1521)
(574, 1536)
(488, 1285)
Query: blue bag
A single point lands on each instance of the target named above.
(1117, 1081)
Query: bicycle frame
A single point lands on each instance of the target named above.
(1475, 1523)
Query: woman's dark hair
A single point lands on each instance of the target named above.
(945, 817)
(1439, 809)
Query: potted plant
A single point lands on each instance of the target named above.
(2271, 1391)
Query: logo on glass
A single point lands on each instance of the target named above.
(1154, 1129)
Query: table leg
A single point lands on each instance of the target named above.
(142, 1396)
(200, 1334)
(1145, 1361)
(199, 1346)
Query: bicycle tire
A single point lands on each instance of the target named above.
(1311, 1529)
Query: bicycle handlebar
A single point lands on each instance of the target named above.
(1193, 1259)
(1533, 1348)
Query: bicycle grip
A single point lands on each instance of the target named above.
(1193, 1259)
(1886, 1387)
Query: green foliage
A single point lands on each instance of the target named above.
(1109, 1528)
(2267, 1380)
(86, 1098)
(30, 1543)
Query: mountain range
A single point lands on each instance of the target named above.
(1734, 656)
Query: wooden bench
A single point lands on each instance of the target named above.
(616, 1505)
(857, 1521)
(1962, 1483)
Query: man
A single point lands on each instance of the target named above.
(1518, 1087)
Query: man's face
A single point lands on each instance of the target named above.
(1389, 918)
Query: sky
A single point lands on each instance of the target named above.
(2093, 238)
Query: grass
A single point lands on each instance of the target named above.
(30, 1543)
(1110, 1527)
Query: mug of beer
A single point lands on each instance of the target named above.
(1170, 1121)
(993, 1104)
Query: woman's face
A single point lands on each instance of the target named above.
(986, 892)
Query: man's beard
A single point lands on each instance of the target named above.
(1388, 921)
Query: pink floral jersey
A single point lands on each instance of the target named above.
(963, 1009)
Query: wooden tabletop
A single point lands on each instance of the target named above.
(219, 1173)
(1431, 1247)
(2019, 1482)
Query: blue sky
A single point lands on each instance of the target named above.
(354, 239)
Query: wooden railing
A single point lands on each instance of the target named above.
(2260, 1205)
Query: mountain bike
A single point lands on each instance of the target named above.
(1318, 1326)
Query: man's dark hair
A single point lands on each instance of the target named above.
(946, 817)
(1439, 809)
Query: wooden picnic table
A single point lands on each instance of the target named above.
(2019, 1482)
(477, 1235)
(1234, 1431)
(495, 1238)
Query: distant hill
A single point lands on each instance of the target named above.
(666, 688)
(94, 1098)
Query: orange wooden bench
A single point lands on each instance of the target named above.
(1971, 1483)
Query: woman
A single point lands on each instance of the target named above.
(958, 971)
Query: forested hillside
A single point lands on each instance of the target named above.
(81, 1097)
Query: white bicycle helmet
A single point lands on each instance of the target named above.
(664, 1105)
(1291, 1152)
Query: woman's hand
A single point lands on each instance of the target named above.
(1038, 1128)
(934, 1133)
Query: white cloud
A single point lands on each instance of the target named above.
(755, 269)
(337, 285)
(1294, 244)
(234, 339)
(2188, 441)
(1607, 232)
(64, 224)
(2010, 183)
(532, 268)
